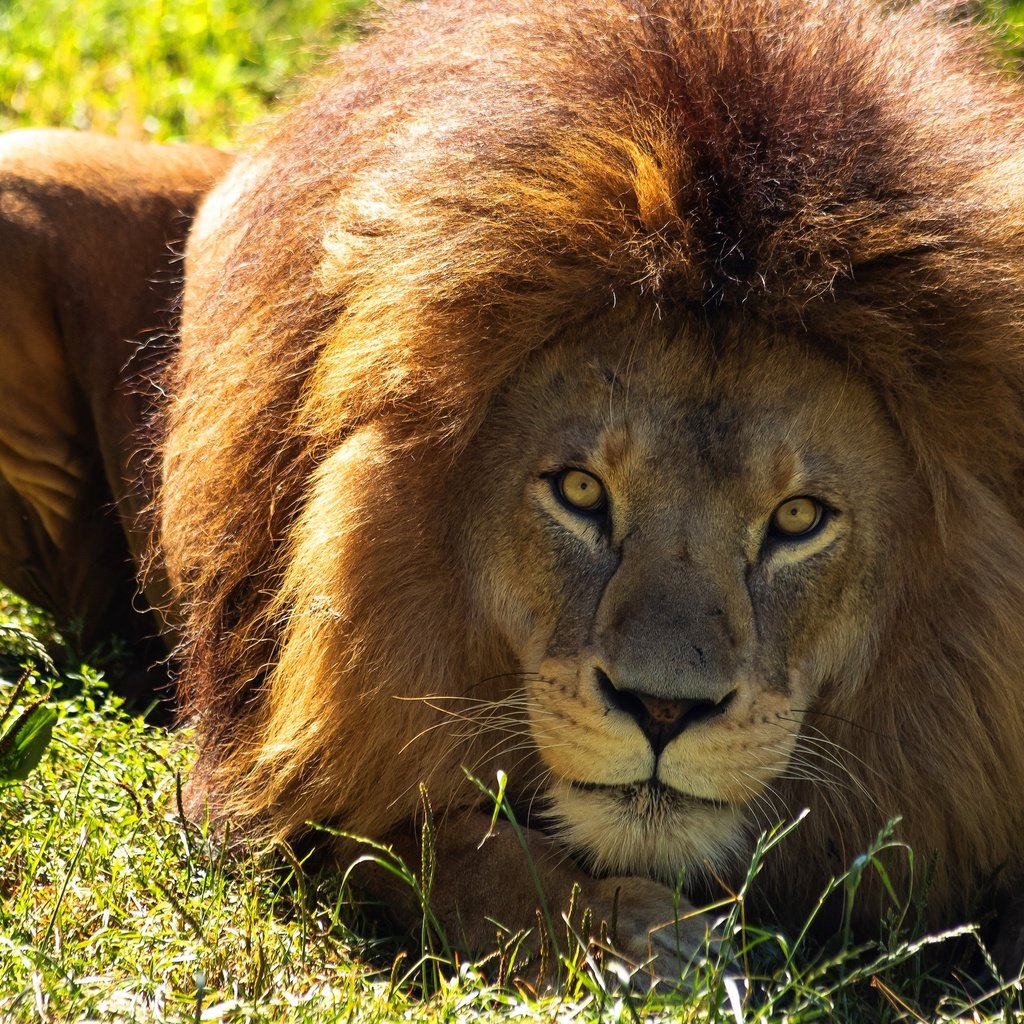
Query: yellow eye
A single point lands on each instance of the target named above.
(797, 517)
(581, 490)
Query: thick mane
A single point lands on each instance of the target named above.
(477, 179)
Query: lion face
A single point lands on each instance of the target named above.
(681, 545)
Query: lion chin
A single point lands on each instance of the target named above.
(624, 397)
(648, 829)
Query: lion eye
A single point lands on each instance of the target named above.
(581, 490)
(797, 517)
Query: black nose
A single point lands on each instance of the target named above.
(662, 719)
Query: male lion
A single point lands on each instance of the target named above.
(629, 397)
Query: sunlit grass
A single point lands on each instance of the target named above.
(188, 69)
(113, 907)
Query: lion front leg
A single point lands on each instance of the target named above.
(488, 887)
(1006, 942)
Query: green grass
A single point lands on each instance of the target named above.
(113, 908)
(166, 69)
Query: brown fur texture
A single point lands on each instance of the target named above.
(480, 183)
(91, 232)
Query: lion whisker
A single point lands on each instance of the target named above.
(859, 726)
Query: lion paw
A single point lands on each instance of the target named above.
(657, 936)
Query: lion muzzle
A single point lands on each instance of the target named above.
(661, 719)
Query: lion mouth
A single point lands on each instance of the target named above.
(651, 793)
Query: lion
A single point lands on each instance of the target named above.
(626, 398)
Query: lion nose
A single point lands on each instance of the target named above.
(662, 719)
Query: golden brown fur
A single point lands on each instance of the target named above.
(818, 205)
(89, 282)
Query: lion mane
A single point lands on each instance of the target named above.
(473, 182)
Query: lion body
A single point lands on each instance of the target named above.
(89, 288)
(714, 258)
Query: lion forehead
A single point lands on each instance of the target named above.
(678, 407)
